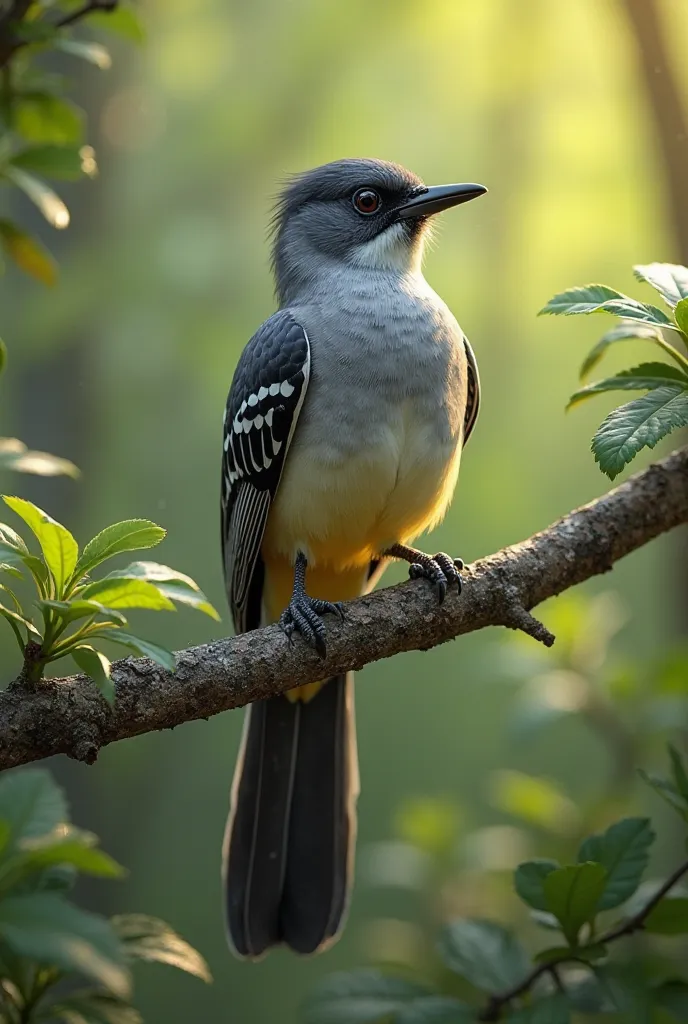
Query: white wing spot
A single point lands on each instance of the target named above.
(253, 400)
(246, 425)
(268, 417)
(274, 389)
(258, 422)
(226, 442)
(236, 425)
(286, 388)
(262, 393)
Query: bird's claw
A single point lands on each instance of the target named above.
(303, 615)
(441, 570)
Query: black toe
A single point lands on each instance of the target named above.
(304, 616)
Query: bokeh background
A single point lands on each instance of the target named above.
(571, 114)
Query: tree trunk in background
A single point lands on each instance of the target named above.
(670, 119)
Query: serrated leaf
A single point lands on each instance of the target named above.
(60, 549)
(123, 593)
(97, 666)
(624, 851)
(94, 1007)
(31, 804)
(44, 117)
(554, 1009)
(598, 298)
(47, 201)
(484, 953)
(669, 279)
(72, 611)
(573, 894)
(45, 928)
(624, 332)
(637, 425)
(94, 53)
(148, 938)
(28, 253)
(141, 646)
(528, 881)
(669, 917)
(644, 377)
(681, 314)
(54, 161)
(130, 535)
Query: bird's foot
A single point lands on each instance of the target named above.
(304, 616)
(441, 569)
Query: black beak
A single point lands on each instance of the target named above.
(437, 198)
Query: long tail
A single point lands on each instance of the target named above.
(288, 851)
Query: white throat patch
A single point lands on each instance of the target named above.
(390, 250)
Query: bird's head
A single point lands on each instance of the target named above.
(365, 213)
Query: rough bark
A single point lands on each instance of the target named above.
(69, 716)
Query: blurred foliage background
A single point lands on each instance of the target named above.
(569, 113)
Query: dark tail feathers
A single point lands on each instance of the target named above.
(288, 852)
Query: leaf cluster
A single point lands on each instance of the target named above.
(75, 611)
(45, 939)
(574, 973)
(42, 132)
(643, 422)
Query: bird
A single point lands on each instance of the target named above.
(343, 431)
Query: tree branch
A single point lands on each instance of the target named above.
(69, 716)
(498, 1003)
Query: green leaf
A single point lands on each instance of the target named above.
(672, 996)
(97, 666)
(130, 535)
(594, 298)
(535, 800)
(369, 997)
(624, 332)
(679, 772)
(123, 21)
(60, 550)
(47, 201)
(143, 647)
(573, 894)
(169, 582)
(94, 1007)
(28, 253)
(69, 845)
(44, 117)
(11, 615)
(640, 378)
(94, 53)
(529, 879)
(54, 161)
(681, 314)
(15, 455)
(484, 953)
(669, 917)
(669, 279)
(637, 425)
(553, 1009)
(123, 593)
(668, 792)
(624, 851)
(147, 938)
(72, 611)
(558, 954)
(31, 804)
(45, 928)
(11, 538)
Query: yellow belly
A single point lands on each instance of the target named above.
(340, 515)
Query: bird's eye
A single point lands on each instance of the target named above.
(366, 201)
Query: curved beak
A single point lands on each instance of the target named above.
(438, 198)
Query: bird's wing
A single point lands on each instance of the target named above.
(263, 406)
(473, 392)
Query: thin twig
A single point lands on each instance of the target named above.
(88, 8)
